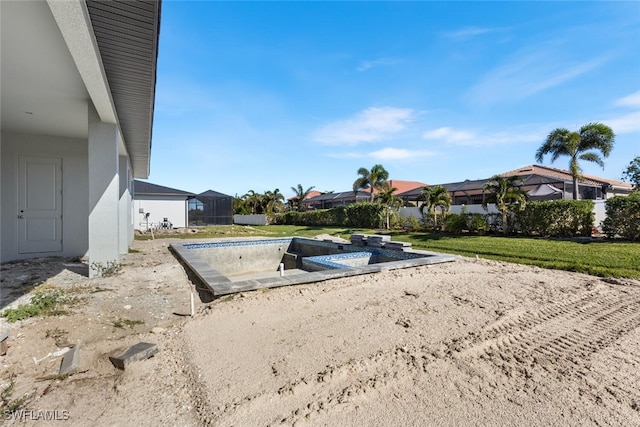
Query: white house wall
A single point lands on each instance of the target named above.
(171, 207)
(75, 190)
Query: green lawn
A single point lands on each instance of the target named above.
(600, 258)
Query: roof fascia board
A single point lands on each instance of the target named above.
(72, 17)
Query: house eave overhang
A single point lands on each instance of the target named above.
(115, 46)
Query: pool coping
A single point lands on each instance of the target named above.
(220, 285)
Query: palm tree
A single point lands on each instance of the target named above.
(301, 194)
(504, 192)
(274, 201)
(253, 201)
(371, 179)
(435, 197)
(386, 196)
(581, 145)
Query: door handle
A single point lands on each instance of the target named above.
(21, 216)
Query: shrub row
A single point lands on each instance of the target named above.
(623, 217)
(324, 217)
(557, 218)
(357, 215)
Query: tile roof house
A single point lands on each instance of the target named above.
(540, 182)
(331, 200)
(78, 84)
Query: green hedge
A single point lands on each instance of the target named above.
(357, 215)
(557, 218)
(365, 215)
(323, 217)
(623, 217)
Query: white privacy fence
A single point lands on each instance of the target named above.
(250, 219)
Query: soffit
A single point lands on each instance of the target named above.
(127, 36)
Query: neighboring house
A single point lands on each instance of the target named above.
(332, 200)
(540, 183)
(210, 208)
(159, 206)
(291, 200)
(78, 86)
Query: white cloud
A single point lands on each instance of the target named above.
(528, 72)
(628, 123)
(370, 125)
(365, 65)
(632, 100)
(466, 33)
(390, 153)
(451, 136)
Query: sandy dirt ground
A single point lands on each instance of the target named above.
(469, 343)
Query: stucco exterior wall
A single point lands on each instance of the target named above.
(172, 207)
(75, 190)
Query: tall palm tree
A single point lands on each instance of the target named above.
(274, 201)
(371, 179)
(253, 201)
(300, 195)
(504, 192)
(433, 198)
(581, 145)
(386, 197)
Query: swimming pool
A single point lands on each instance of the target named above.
(230, 266)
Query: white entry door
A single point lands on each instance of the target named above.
(39, 213)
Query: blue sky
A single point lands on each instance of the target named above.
(265, 95)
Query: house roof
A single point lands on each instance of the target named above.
(344, 195)
(212, 194)
(147, 188)
(312, 193)
(401, 186)
(533, 176)
(564, 175)
(127, 34)
(463, 186)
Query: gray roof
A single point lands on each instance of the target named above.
(127, 34)
(344, 195)
(147, 188)
(213, 194)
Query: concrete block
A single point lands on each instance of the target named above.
(140, 351)
(70, 361)
(397, 245)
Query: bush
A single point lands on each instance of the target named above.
(323, 217)
(556, 218)
(413, 223)
(623, 217)
(477, 223)
(365, 215)
(455, 223)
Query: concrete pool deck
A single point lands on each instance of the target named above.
(219, 283)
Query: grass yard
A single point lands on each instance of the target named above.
(601, 258)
